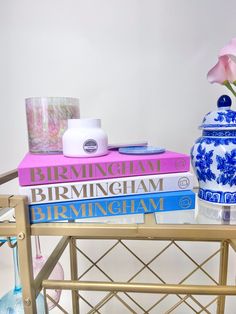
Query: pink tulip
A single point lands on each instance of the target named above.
(224, 71)
(229, 50)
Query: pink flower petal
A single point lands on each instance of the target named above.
(231, 71)
(218, 73)
(229, 50)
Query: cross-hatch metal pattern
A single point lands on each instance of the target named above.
(193, 304)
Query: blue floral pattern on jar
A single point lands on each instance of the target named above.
(227, 167)
(217, 140)
(228, 116)
(203, 163)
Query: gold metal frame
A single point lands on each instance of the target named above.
(224, 235)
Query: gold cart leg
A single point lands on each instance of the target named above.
(25, 253)
(74, 274)
(223, 274)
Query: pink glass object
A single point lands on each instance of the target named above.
(57, 273)
(47, 121)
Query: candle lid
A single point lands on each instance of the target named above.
(84, 123)
(141, 150)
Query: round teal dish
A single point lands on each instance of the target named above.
(141, 150)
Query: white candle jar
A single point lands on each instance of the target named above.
(84, 138)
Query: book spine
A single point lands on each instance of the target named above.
(107, 188)
(113, 206)
(103, 170)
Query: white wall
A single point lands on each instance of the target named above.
(138, 65)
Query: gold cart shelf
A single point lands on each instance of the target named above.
(23, 230)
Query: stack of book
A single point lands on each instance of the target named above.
(107, 187)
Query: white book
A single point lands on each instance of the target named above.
(61, 192)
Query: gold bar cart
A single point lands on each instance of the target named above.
(23, 230)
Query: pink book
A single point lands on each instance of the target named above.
(45, 169)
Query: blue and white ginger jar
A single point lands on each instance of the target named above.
(214, 155)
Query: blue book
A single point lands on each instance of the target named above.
(112, 206)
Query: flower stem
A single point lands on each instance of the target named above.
(229, 86)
